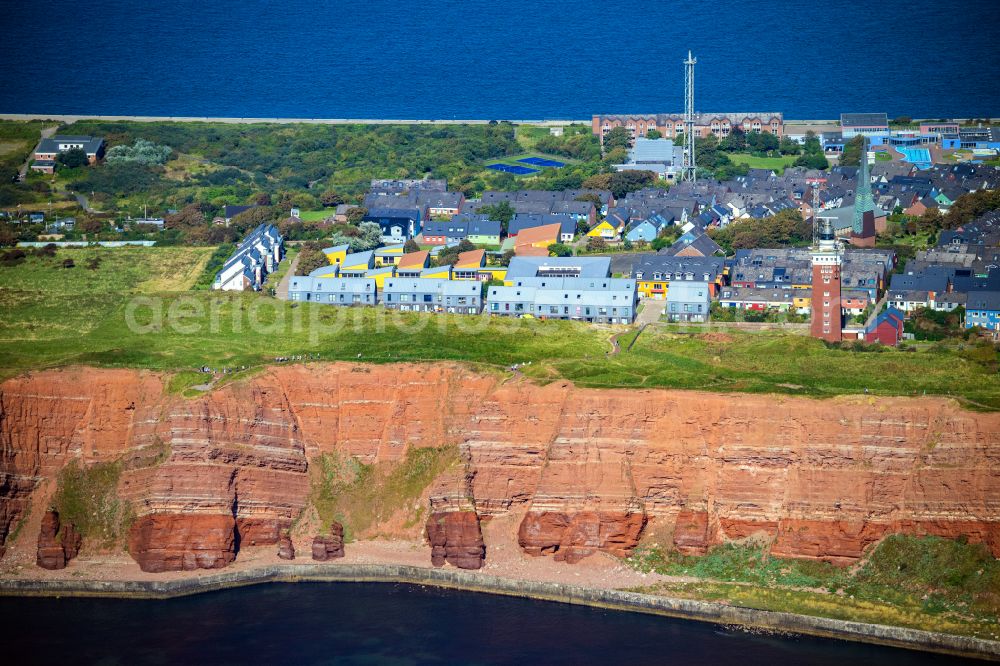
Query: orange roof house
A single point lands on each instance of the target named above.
(414, 260)
(471, 259)
(535, 241)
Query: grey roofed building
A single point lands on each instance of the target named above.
(432, 295)
(394, 186)
(229, 212)
(701, 244)
(93, 146)
(864, 120)
(688, 302)
(667, 268)
(603, 300)
(530, 267)
(333, 290)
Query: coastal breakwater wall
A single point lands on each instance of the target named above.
(587, 469)
(717, 613)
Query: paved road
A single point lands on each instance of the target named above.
(282, 290)
(651, 311)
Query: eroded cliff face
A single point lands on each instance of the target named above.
(589, 469)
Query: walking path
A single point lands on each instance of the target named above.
(652, 310)
(282, 291)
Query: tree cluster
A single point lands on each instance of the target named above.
(142, 152)
(786, 228)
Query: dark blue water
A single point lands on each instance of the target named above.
(512, 59)
(389, 624)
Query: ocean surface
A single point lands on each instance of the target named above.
(484, 59)
(353, 623)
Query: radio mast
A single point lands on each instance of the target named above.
(690, 170)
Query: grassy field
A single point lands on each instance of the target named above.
(132, 310)
(777, 164)
(924, 583)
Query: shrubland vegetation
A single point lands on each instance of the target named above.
(87, 497)
(921, 582)
(362, 496)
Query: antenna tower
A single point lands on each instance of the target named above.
(690, 171)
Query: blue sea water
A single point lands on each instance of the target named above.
(513, 59)
(323, 623)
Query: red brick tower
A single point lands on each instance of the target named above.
(827, 315)
(827, 318)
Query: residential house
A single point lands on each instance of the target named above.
(411, 265)
(337, 253)
(48, 150)
(694, 243)
(535, 241)
(600, 299)
(357, 264)
(983, 310)
(398, 224)
(670, 125)
(430, 295)
(333, 290)
(567, 224)
(886, 328)
(258, 254)
(654, 274)
(478, 229)
(660, 156)
(688, 302)
(388, 255)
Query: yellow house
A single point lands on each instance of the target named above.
(356, 265)
(333, 270)
(388, 255)
(437, 273)
(380, 275)
(468, 264)
(653, 288)
(604, 230)
(412, 264)
(336, 254)
(803, 302)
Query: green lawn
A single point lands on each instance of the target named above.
(315, 215)
(777, 164)
(133, 311)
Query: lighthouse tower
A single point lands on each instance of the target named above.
(827, 258)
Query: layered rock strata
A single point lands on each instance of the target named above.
(58, 543)
(587, 468)
(456, 538)
(329, 546)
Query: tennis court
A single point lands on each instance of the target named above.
(542, 162)
(512, 168)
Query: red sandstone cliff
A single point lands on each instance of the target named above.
(589, 468)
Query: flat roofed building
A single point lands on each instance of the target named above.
(602, 300)
(333, 290)
(432, 295)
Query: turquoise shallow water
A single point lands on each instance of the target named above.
(515, 59)
(353, 623)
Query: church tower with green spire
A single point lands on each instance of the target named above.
(863, 229)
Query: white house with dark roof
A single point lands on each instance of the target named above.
(257, 255)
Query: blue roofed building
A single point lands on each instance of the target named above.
(602, 300)
(432, 295)
(333, 290)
